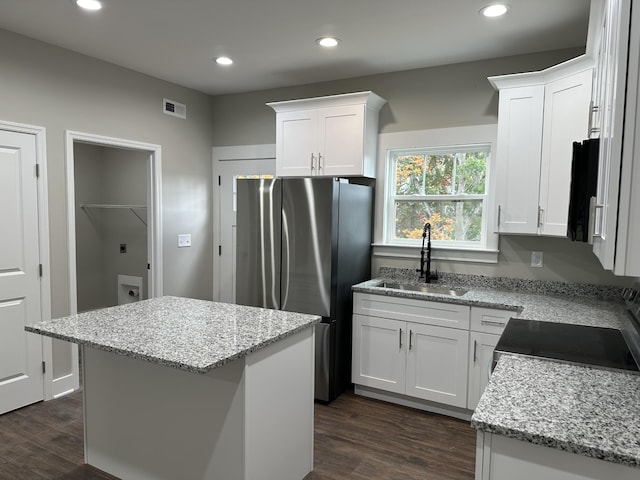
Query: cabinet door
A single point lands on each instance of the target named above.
(518, 158)
(566, 119)
(437, 364)
(341, 140)
(481, 347)
(613, 78)
(296, 141)
(379, 353)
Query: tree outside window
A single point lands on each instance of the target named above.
(445, 187)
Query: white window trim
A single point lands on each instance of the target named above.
(475, 134)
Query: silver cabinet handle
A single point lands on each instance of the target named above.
(596, 207)
(499, 212)
(319, 162)
(492, 323)
(400, 339)
(410, 339)
(313, 163)
(540, 216)
(592, 220)
(475, 351)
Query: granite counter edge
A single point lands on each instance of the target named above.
(545, 441)
(199, 369)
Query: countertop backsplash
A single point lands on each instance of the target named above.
(540, 287)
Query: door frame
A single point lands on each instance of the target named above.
(221, 154)
(154, 228)
(43, 242)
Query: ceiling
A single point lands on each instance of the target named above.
(273, 41)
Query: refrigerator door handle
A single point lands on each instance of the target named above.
(285, 270)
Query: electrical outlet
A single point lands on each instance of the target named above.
(123, 248)
(184, 240)
(537, 259)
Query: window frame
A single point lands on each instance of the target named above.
(391, 197)
(407, 252)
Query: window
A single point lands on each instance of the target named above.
(443, 186)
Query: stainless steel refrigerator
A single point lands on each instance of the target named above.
(301, 243)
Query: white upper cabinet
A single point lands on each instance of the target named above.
(540, 115)
(616, 42)
(327, 136)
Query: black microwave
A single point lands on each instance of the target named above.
(584, 185)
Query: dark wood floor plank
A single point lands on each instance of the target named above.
(356, 438)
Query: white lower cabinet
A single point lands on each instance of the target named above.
(502, 458)
(419, 358)
(480, 360)
(424, 350)
(486, 326)
(437, 364)
(379, 359)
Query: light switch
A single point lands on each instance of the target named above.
(184, 240)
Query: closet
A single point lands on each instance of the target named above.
(111, 225)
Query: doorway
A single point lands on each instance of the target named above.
(140, 209)
(229, 164)
(111, 225)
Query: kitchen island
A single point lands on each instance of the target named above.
(191, 389)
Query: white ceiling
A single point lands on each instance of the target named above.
(273, 41)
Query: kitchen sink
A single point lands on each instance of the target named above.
(424, 288)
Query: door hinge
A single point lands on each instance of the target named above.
(44, 368)
(40, 269)
(37, 170)
(219, 250)
(219, 180)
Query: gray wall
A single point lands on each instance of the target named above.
(106, 175)
(124, 182)
(447, 96)
(89, 230)
(60, 90)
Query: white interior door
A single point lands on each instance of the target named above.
(229, 171)
(21, 376)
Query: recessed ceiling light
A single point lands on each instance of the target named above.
(89, 4)
(495, 10)
(224, 61)
(328, 42)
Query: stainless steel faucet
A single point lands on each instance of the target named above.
(427, 275)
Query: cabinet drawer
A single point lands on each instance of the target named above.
(412, 310)
(490, 320)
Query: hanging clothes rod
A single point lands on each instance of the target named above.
(131, 208)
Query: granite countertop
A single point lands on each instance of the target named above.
(192, 335)
(553, 302)
(578, 409)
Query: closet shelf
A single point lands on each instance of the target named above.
(131, 208)
(106, 205)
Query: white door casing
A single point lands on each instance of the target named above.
(24, 293)
(228, 163)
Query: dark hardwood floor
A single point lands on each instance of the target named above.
(355, 438)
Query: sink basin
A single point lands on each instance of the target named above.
(423, 287)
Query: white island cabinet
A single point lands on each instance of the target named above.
(176, 388)
(334, 136)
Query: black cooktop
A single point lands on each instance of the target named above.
(581, 344)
